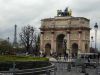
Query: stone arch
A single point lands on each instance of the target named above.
(59, 43)
(47, 48)
(74, 49)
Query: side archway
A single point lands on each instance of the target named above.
(59, 43)
(47, 48)
(74, 49)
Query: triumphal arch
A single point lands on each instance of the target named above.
(65, 32)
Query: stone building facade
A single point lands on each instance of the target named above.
(65, 33)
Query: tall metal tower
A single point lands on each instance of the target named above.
(15, 37)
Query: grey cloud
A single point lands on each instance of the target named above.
(89, 9)
(85, 7)
(23, 12)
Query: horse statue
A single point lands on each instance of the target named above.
(65, 13)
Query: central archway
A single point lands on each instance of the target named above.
(74, 49)
(59, 43)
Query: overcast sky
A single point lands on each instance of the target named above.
(24, 12)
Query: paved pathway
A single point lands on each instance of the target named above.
(62, 68)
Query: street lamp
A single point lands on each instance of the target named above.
(95, 28)
(91, 40)
(8, 45)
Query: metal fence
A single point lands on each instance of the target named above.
(45, 70)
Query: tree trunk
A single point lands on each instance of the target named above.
(28, 49)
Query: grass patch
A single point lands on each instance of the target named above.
(12, 58)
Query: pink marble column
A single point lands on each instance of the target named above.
(41, 40)
(68, 39)
(52, 41)
(79, 39)
(68, 45)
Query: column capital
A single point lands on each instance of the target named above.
(68, 31)
(80, 31)
(52, 32)
(42, 32)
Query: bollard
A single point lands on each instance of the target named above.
(83, 69)
(47, 72)
(86, 73)
(14, 68)
(69, 67)
(55, 70)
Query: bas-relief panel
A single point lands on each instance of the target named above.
(87, 37)
(87, 34)
(47, 36)
(74, 35)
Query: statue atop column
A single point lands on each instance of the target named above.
(65, 13)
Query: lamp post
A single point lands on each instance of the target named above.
(91, 48)
(91, 40)
(8, 45)
(95, 28)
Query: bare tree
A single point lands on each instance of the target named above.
(37, 45)
(5, 47)
(28, 37)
